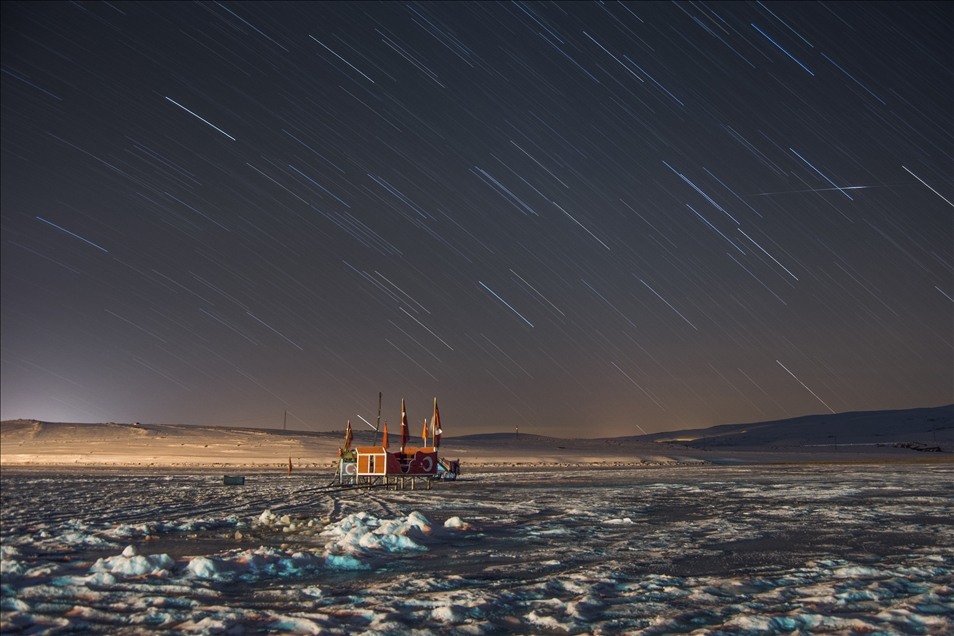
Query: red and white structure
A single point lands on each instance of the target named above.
(373, 465)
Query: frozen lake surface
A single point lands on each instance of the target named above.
(748, 550)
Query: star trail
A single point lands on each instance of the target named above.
(580, 219)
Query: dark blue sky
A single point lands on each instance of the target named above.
(581, 219)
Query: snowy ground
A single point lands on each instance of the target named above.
(765, 549)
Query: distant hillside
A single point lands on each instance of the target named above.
(877, 435)
(930, 426)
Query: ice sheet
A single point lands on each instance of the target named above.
(701, 550)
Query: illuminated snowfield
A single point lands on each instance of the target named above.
(754, 550)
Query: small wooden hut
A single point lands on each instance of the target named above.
(378, 465)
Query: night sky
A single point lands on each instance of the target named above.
(579, 219)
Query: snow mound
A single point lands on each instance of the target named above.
(361, 534)
(625, 521)
(131, 563)
(8, 551)
(447, 614)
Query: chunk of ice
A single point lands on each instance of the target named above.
(344, 562)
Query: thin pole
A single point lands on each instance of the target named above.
(375, 442)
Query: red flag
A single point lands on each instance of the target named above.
(384, 440)
(404, 434)
(349, 436)
(424, 434)
(437, 426)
